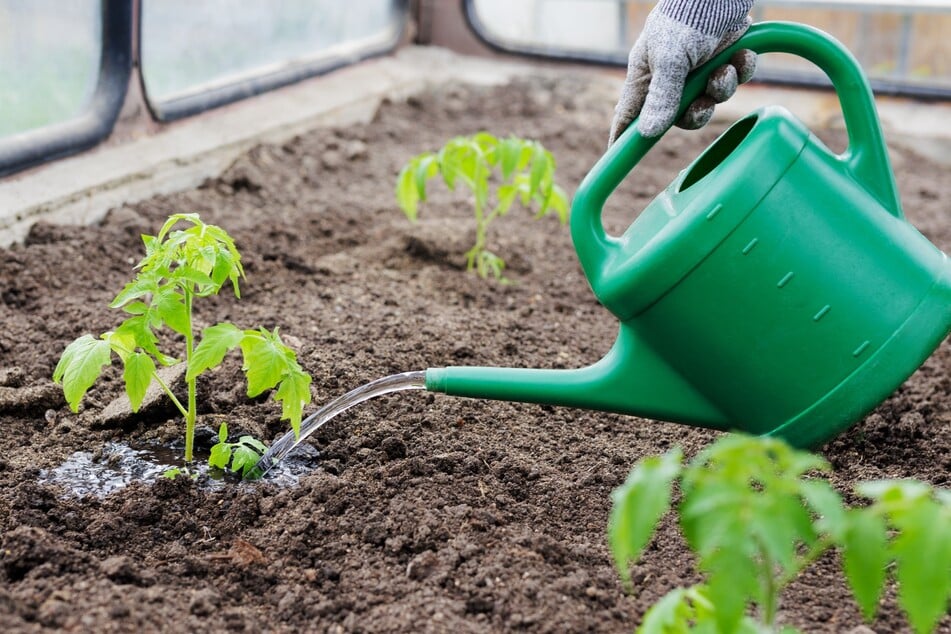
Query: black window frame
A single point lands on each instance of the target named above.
(32, 147)
(174, 109)
(879, 85)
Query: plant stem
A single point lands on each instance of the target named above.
(771, 591)
(178, 404)
(192, 399)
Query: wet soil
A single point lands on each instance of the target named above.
(422, 513)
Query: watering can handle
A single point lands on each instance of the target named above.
(866, 157)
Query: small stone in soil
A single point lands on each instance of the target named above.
(120, 410)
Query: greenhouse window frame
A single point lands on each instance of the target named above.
(783, 78)
(257, 82)
(40, 145)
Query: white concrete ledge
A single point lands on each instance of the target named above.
(83, 188)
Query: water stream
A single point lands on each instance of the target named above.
(119, 465)
(286, 444)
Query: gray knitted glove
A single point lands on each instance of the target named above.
(679, 36)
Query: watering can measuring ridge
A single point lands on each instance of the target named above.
(774, 287)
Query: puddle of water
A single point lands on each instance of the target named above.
(120, 465)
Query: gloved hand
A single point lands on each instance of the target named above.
(679, 36)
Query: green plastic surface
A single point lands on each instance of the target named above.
(774, 287)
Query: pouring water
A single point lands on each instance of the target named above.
(286, 444)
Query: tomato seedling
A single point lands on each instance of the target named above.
(526, 171)
(237, 457)
(755, 521)
(179, 267)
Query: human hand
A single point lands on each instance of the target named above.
(679, 36)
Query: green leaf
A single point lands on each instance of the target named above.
(223, 432)
(865, 557)
(169, 306)
(228, 267)
(672, 614)
(265, 360)
(540, 169)
(485, 142)
(488, 263)
(216, 342)
(637, 506)
(406, 193)
(509, 151)
(732, 583)
(506, 195)
(894, 495)
(781, 523)
(138, 327)
(293, 394)
(246, 454)
(827, 503)
(254, 443)
(144, 284)
(922, 549)
(175, 219)
(557, 202)
(80, 366)
(426, 168)
(136, 308)
(122, 343)
(194, 277)
(710, 516)
(139, 368)
(220, 455)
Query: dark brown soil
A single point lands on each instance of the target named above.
(424, 513)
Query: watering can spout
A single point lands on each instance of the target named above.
(630, 379)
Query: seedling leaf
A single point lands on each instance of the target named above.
(237, 456)
(138, 372)
(216, 342)
(540, 166)
(509, 151)
(294, 394)
(407, 195)
(265, 360)
(220, 455)
(865, 557)
(246, 453)
(638, 505)
(922, 550)
(80, 366)
(169, 306)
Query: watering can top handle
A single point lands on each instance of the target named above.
(866, 157)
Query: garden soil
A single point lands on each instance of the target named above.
(420, 512)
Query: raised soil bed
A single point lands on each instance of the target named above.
(421, 513)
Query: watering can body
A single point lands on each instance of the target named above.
(774, 287)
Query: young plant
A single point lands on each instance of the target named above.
(755, 521)
(525, 171)
(180, 267)
(237, 457)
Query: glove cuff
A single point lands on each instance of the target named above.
(710, 17)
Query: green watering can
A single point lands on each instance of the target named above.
(774, 287)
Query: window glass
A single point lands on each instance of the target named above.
(901, 45)
(49, 61)
(566, 26)
(190, 47)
